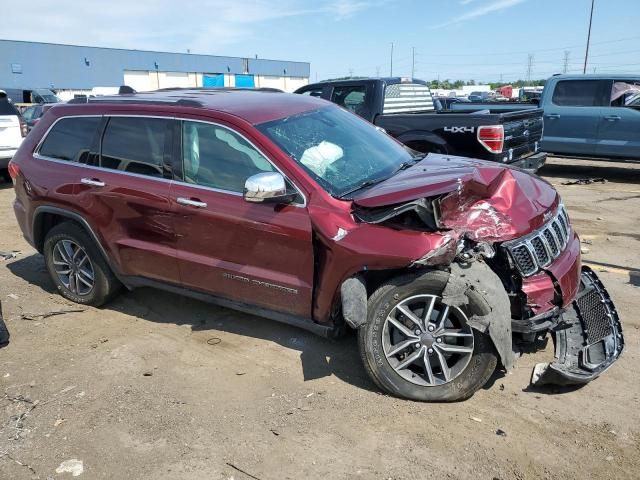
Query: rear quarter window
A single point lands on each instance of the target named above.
(578, 93)
(71, 139)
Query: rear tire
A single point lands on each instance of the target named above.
(76, 266)
(469, 356)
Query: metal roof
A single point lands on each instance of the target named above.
(34, 64)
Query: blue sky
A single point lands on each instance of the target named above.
(455, 39)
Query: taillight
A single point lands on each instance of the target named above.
(23, 128)
(492, 138)
(14, 170)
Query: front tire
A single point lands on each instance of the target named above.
(414, 346)
(77, 268)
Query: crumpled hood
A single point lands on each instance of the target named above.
(481, 200)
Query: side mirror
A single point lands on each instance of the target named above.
(267, 187)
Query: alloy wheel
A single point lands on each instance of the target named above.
(427, 342)
(73, 267)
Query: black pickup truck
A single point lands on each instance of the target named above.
(404, 108)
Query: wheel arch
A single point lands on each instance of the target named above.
(46, 217)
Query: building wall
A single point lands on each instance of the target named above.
(29, 65)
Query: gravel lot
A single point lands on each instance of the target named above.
(156, 386)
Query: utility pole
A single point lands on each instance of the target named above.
(586, 53)
(565, 66)
(529, 67)
(500, 78)
(413, 62)
(391, 70)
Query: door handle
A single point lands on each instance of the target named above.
(188, 202)
(552, 115)
(612, 118)
(94, 182)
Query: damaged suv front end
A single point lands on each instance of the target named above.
(445, 265)
(516, 225)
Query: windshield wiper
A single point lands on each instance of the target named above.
(366, 184)
(409, 163)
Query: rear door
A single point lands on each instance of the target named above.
(10, 135)
(571, 116)
(256, 254)
(619, 121)
(125, 195)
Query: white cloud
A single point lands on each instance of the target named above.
(491, 7)
(202, 26)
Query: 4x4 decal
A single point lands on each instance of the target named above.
(460, 129)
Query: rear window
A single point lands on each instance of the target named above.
(578, 93)
(407, 98)
(71, 139)
(7, 108)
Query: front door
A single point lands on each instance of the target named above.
(256, 254)
(571, 117)
(620, 121)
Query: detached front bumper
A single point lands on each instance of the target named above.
(588, 338)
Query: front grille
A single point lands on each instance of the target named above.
(539, 249)
(594, 316)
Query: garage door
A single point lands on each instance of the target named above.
(213, 81)
(245, 81)
(175, 79)
(138, 80)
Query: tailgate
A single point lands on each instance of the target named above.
(10, 136)
(522, 132)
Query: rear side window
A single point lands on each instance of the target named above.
(7, 108)
(71, 139)
(578, 93)
(407, 98)
(137, 145)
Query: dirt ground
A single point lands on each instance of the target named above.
(156, 386)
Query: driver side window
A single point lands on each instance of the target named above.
(216, 157)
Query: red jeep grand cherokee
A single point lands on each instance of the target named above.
(294, 209)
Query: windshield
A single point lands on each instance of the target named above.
(338, 149)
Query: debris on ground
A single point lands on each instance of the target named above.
(242, 471)
(9, 255)
(585, 181)
(13, 296)
(501, 432)
(476, 419)
(586, 242)
(42, 316)
(241, 373)
(59, 422)
(73, 466)
(584, 250)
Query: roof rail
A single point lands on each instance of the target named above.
(133, 100)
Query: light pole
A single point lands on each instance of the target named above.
(586, 53)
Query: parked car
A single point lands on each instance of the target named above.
(404, 108)
(444, 103)
(480, 96)
(12, 130)
(32, 115)
(592, 115)
(294, 209)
